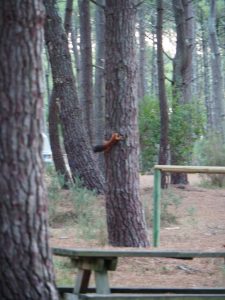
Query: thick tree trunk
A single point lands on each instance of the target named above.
(80, 156)
(86, 68)
(217, 78)
(76, 53)
(164, 120)
(99, 107)
(57, 153)
(68, 16)
(182, 74)
(54, 120)
(26, 267)
(206, 74)
(126, 225)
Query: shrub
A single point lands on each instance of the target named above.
(210, 151)
(149, 127)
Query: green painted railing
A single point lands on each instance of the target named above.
(157, 189)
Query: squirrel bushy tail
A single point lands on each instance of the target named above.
(115, 138)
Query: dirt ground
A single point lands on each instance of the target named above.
(200, 225)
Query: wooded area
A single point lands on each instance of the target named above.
(78, 71)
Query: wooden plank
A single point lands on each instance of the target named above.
(82, 281)
(151, 297)
(102, 283)
(190, 169)
(105, 253)
(71, 297)
(139, 290)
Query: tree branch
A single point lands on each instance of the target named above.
(96, 3)
(171, 81)
(138, 4)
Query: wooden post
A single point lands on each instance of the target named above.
(156, 207)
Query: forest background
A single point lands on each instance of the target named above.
(193, 66)
(105, 71)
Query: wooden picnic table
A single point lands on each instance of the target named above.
(100, 261)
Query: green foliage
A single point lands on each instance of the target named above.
(53, 191)
(149, 127)
(169, 206)
(88, 211)
(90, 215)
(186, 125)
(210, 151)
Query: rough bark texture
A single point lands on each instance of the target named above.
(86, 68)
(183, 75)
(164, 120)
(206, 74)
(142, 84)
(99, 107)
(68, 16)
(54, 120)
(76, 53)
(154, 71)
(217, 78)
(81, 160)
(126, 225)
(26, 268)
(182, 72)
(57, 152)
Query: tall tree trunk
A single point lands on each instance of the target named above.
(68, 16)
(86, 67)
(99, 107)
(164, 120)
(217, 79)
(154, 71)
(80, 157)
(206, 74)
(76, 53)
(57, 153)
(54, 120)
(182, 74)
(142, 84)
(126, 225)
(26, 266)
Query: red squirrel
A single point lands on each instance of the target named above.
(115, 138)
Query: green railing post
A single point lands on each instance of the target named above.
(156, 207)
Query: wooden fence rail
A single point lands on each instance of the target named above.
(157, 189)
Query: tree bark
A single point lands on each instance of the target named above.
(217, 78)
(86, 68)
(126, 225)
(54, 120)
(80, 156)
(26, 270)
(206, 74)
(154, 71)
(142, 84)
(182, 74)
(99, 107)
(164, 120)
(68, 16)
(57, 153)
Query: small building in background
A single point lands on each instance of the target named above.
(46, 151)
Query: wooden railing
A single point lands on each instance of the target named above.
(157, 189)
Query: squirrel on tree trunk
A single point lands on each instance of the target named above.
(115, 138)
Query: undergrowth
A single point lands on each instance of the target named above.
(85, 210)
